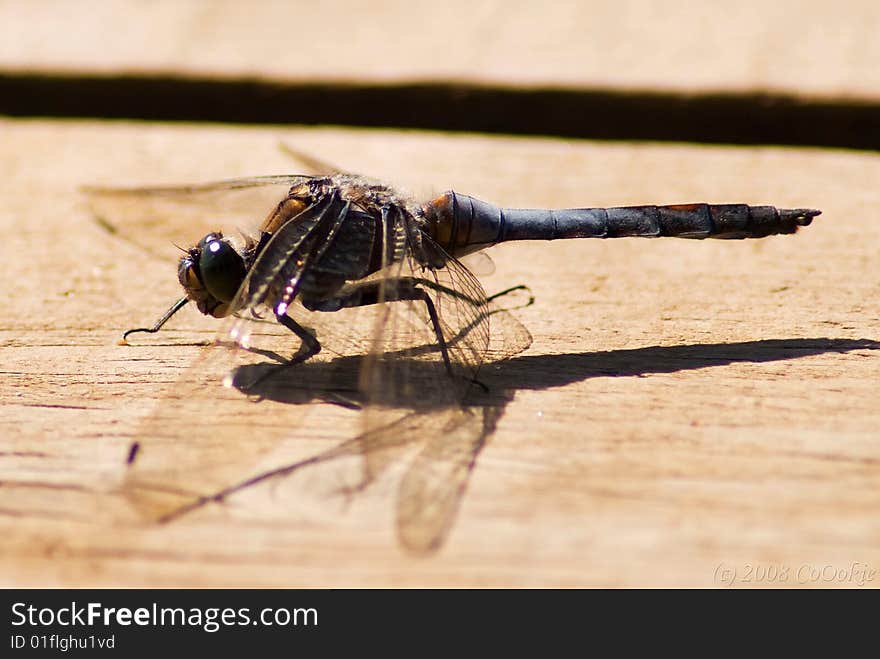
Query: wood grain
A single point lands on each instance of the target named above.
(811, 47)
(684, 405)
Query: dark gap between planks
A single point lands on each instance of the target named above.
(724, 118)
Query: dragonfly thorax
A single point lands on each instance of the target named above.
(211, 274)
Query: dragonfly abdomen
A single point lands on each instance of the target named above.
(463, 224)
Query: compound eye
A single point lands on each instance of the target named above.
(221, 268)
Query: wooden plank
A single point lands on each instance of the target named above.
(813, 48)
(686, 408)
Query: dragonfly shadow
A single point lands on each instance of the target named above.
(434, 484)
(336, 382)
(546, 371)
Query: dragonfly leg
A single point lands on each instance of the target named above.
(309, 346)
(420, 294)
(396, 290)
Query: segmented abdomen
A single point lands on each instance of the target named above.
(463, 224)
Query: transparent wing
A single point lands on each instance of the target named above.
(168, 477)
(411, 334)
(479, 263)
(154, 219)
(416, 420)
(418, 408)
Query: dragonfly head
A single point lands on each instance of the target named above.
(211, 274)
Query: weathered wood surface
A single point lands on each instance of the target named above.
(685, 405)
(810, 47)
(686, 409)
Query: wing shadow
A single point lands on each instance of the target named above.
(432, 488)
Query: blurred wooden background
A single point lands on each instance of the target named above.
(689, 413)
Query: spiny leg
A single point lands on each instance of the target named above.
(308, 348)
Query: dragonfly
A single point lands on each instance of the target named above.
(329, 239)
(335, 244)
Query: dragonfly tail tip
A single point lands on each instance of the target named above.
(799, 216)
